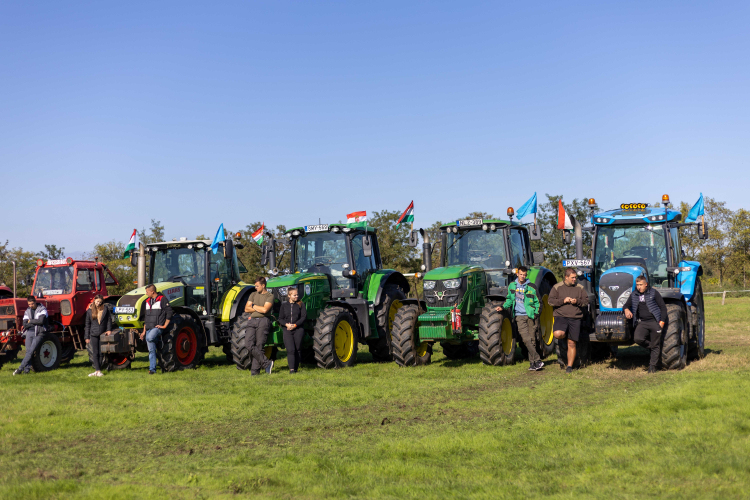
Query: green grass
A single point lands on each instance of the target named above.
(451, 429)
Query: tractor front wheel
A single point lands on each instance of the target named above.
(117, 362)
(47, 354)
(674, 349)
(385, 315)
(335, 338)
(497, 344)
(67, 351)
(546, 341)
(696, 345)
(183, 346)
(407, 349)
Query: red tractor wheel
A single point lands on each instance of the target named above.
(118, 362)
(183, 345)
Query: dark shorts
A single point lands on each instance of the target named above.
(571, 327)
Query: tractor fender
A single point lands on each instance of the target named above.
(238, 304)
(537, 275)
(359, 309)
(387, 277)
(194, 315)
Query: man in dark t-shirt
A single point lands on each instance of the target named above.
(647, 306)
(258, 308)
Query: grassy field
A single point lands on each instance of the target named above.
(451, 429)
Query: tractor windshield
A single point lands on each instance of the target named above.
(54, 281)
(477, 248)
(322, 253)
(171, 264)
(632, 245)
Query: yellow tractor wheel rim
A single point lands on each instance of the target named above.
(546, 320)
(395, 306)
(344, 341)
(268, 351)
(506, 336)
(422, 349)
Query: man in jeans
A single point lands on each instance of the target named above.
(34, 328)
(647, 306)
(258, 307)
(523, 305)
(158, 316)
(568, 300)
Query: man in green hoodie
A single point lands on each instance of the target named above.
(523, 305)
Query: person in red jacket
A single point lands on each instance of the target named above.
(158, 316)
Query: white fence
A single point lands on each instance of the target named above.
(724, 294)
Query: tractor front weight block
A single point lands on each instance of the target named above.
(613, 326)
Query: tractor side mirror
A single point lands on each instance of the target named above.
(133, 259)
(536, 232)
(703, 231)
(367, 246)
(228, 249)
(537, 258)
(414, 238)
(264, 254)
(567, 236)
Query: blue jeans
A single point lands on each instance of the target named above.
(151, 337)
(32, 342)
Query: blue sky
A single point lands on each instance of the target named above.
(203, 113)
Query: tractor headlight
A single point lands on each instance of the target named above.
(449, 284)
(606, 301)
(283, 291)
(428, 285)
(623, 298)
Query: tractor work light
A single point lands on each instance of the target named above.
(238, 235)
(665, 198)
(199, 245)
(485, 227)
(69, 260)
(295, 232)
(511, 212)
(39, 262)
(455, 229)
(190, 247)
(347, 229)
(283, 291)
(336, 229)
(423, 268)
(493, 227)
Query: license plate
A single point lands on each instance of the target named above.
(124, 310)
(577, 263)
(470, 222)
(52, 292)
(316, 228)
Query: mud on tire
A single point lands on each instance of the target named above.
(407, 349)
(335, 339)
(183, 345)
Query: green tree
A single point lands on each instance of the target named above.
(52, 252)
(25, 268)
(714, 252)
(395, 251)
(155, 234)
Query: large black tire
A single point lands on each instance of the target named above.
(385, 314)
(497, 344)
(583, 353)
(182, 345)
(240, 353)
(545, 344)
(335, 339)
(674, 348)
(47, 354)
(117, 362)
(696, 344)
(67, 352)
(407, 349)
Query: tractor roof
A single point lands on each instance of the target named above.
(180, 242)
(363, 226)
(636, 213)
(474, 223)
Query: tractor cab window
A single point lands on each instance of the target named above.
(179, 264)
(676, 246)
(361, 263)
(517, 248)
(54, 281)
(477, 247)
(322, 253)
(632, 245)
(221, 272)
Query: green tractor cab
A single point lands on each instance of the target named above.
(205, 292)
(458, 307)
(349, 297)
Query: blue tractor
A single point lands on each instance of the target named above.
(639, 240)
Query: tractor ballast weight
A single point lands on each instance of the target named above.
(478, 260)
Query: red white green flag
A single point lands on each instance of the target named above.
(258, 235)
(564, 221)
(130, 247)
(407, 216)
(356, 216)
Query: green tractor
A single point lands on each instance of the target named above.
(349, 297)
(205, 292)
(478, 259)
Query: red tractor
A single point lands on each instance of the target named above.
(66, 288)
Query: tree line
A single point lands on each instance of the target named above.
(725, 255)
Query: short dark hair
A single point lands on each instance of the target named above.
(569, 271)
(641, 278)
(522, 268)
(261, 280)
(151, 287)
(31, 298)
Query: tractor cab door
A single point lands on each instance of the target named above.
(221, 277)
(363, 265)
(519, 248)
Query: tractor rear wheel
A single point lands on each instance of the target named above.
(407, 349)
(497, 344)
(117, 362)
(183, 346)
(385, 314)
(674, 348)
(335, 338)
(546, 341)
(47, 354)
(583, 350)
(696, 345)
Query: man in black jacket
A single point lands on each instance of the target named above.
(292, 315)
(646, 305)
(158, 316)
(34, 327)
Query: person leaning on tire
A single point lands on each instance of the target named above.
(158, 316)
(647, 306)
(523, 305)
(34, 327)
(258, 308)
(292, 315)
(98, 322)
(568, 300)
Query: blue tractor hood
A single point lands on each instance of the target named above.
(616, 285)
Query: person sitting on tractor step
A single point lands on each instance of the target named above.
(523, 305)
(568, 300)
(158, 316)
(292, 316)
(98, 322)
(647, 309)
(259, 308)
(34, 327)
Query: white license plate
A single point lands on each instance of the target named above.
(577, 263)
(52, 292)
(316, 228)
(470, 222)
(124, 310)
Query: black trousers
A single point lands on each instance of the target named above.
(255, 338)
(293, 344)
(94, 352)
(648, 334)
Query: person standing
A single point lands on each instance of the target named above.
(647, 306)
(158, 316)
(258, 307)
(292, 315)
(568, 300)
(98, 322)
(523, 305)
(34, 327)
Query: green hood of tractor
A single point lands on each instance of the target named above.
(291, 279)
(174, 292)
(450, 272)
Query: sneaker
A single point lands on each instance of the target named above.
(538, 365)
(569, 369)
(269, 367)
(532, 366)
(98, 374)
(92, 374)
(152, 372)
(18, 372)
(292, 372)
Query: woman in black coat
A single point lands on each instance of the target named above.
(98, 322)
(291, 318)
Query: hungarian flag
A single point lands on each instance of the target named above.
(564, 221)
(356, 216)
(407, 216)
(130, 247)
(258, 235)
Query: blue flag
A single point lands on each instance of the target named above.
(696, 211)
(528, 208)
(219, 238)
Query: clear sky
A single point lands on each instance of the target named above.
(198, 113)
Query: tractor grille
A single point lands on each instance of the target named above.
(444, 297)
(7, 311)
(615, 284)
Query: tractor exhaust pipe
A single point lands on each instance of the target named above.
(579, 239)
(426, 251)
(141, 270)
